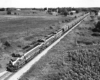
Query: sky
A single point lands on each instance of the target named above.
(49, 3)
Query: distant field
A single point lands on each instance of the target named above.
(21, 24)
(13, 23)
(19, 29)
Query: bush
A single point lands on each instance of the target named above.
(97, 27)
(8, 12)
(85, 65)
(71, 13)
(7, 44)
(77, 11)
(15, 55)
(63, 11)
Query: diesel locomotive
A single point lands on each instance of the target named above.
(35, 48)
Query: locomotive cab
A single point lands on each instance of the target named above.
(10, 67)
(14, 65)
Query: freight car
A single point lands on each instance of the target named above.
(35, 48)
(31, 45)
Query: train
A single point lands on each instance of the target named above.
(39, 45)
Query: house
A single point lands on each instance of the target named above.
(54, 13)
(72, 12)
(18, 9)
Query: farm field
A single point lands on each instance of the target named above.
(76, 57)
(17, 31)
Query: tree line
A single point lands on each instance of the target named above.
(60, 10)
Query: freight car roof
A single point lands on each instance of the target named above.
(49, 35)
(32, 45)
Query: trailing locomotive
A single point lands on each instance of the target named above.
(35, 48)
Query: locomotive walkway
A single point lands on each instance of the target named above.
(22, 71)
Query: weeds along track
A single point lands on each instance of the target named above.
(17, 75)
(84, 47)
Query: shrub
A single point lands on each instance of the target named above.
(7, 44)
(8, 12)
(97, 27)
(85, 65)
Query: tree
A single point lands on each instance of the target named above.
(77, 11)
(15, 13)
(45, 9)
(65, 13)
(9, 11)
(2, 9)
(71, 13)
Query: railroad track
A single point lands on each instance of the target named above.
(5, 75)
(23, 70)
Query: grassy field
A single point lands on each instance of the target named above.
(20, 30)
(76, 57)
(24, 29)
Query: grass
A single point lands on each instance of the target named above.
(20, 30)
(17, 28)
(84, 64)
(25, 29)
(76, 65)
(14, 30)
(20, 25)
(64, 62)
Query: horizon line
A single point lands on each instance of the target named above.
(49, 7)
